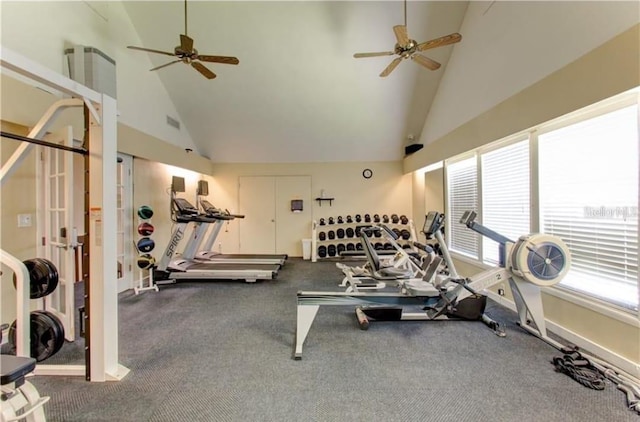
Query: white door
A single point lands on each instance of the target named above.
(256, 201)
(125, 222)
(269, 225)
(55, 225)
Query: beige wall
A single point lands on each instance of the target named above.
(17, 196)
(387, 192)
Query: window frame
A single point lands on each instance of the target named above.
(532, 134)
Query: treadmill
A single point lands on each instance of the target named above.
(170, 270)
(209, 255)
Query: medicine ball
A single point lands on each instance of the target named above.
(145, 212)
(331, 235)
(385, 218)
(331, 220)
(322, 236)
(146, 244)
(349, 219)
(350, 232)
(340, 220)
(404, 219)
(367, 218)
(340, 233)
(395, 218)
(351, 247)
(145, 229)
(331, 250)
(341, 248)
(322, 251)
(322, 223)
(376, 218)
(358, 218)
(146, 261)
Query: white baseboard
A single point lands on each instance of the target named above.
(629, 367)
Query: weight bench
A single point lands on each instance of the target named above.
(20, 400)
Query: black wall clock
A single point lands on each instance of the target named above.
(367, 173)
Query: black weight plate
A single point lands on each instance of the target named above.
(58, 328)
(53, 273)
(43, 339)
(340, 233)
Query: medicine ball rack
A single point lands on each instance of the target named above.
(336, 237)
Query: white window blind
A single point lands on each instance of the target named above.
(589, 198)
(462, 196)
(505, 195)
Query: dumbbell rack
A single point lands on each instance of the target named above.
(316, 242)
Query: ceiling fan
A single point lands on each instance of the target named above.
(189, 55)
(407, 48)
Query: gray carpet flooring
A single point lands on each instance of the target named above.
(222, 351)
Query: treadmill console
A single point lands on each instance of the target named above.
(432, 223)
(208, 207)
(184, 207)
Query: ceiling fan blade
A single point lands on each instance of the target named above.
(425, 61)
(186, 43)
(165, 65)
(383, 53)
(438, 42)
(219, 59)
(391, 66)
(203, 70)
(401, 34)
(149, 50)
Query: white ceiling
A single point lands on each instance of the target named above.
(298, 95)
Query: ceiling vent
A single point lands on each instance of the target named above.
(173, 122)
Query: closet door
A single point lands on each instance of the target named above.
(256, 197)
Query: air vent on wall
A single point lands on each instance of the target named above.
(173, 122)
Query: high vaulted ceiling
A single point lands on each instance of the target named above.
(298, 95)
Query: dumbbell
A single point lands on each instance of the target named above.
(367, 218)
(405, 234)
(322, 251)
(385, 219)
(349, 219)
(388, 247)
(322, 222)
(340, 233)
(331, 250)
(340, 220)
(404, 219)
(358, 246)
(341, 248)
(350, 232)
(376, 218)
(331, 220)
(331, 235)
(395, 218)
(322, 236)
(351, 247)
(358, 218)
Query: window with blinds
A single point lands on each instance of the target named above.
(588, 182)
(505, 195)
(462, 194)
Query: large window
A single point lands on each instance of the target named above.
(586, 190)
(505, 195)
(589, 198)
(462, 183)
